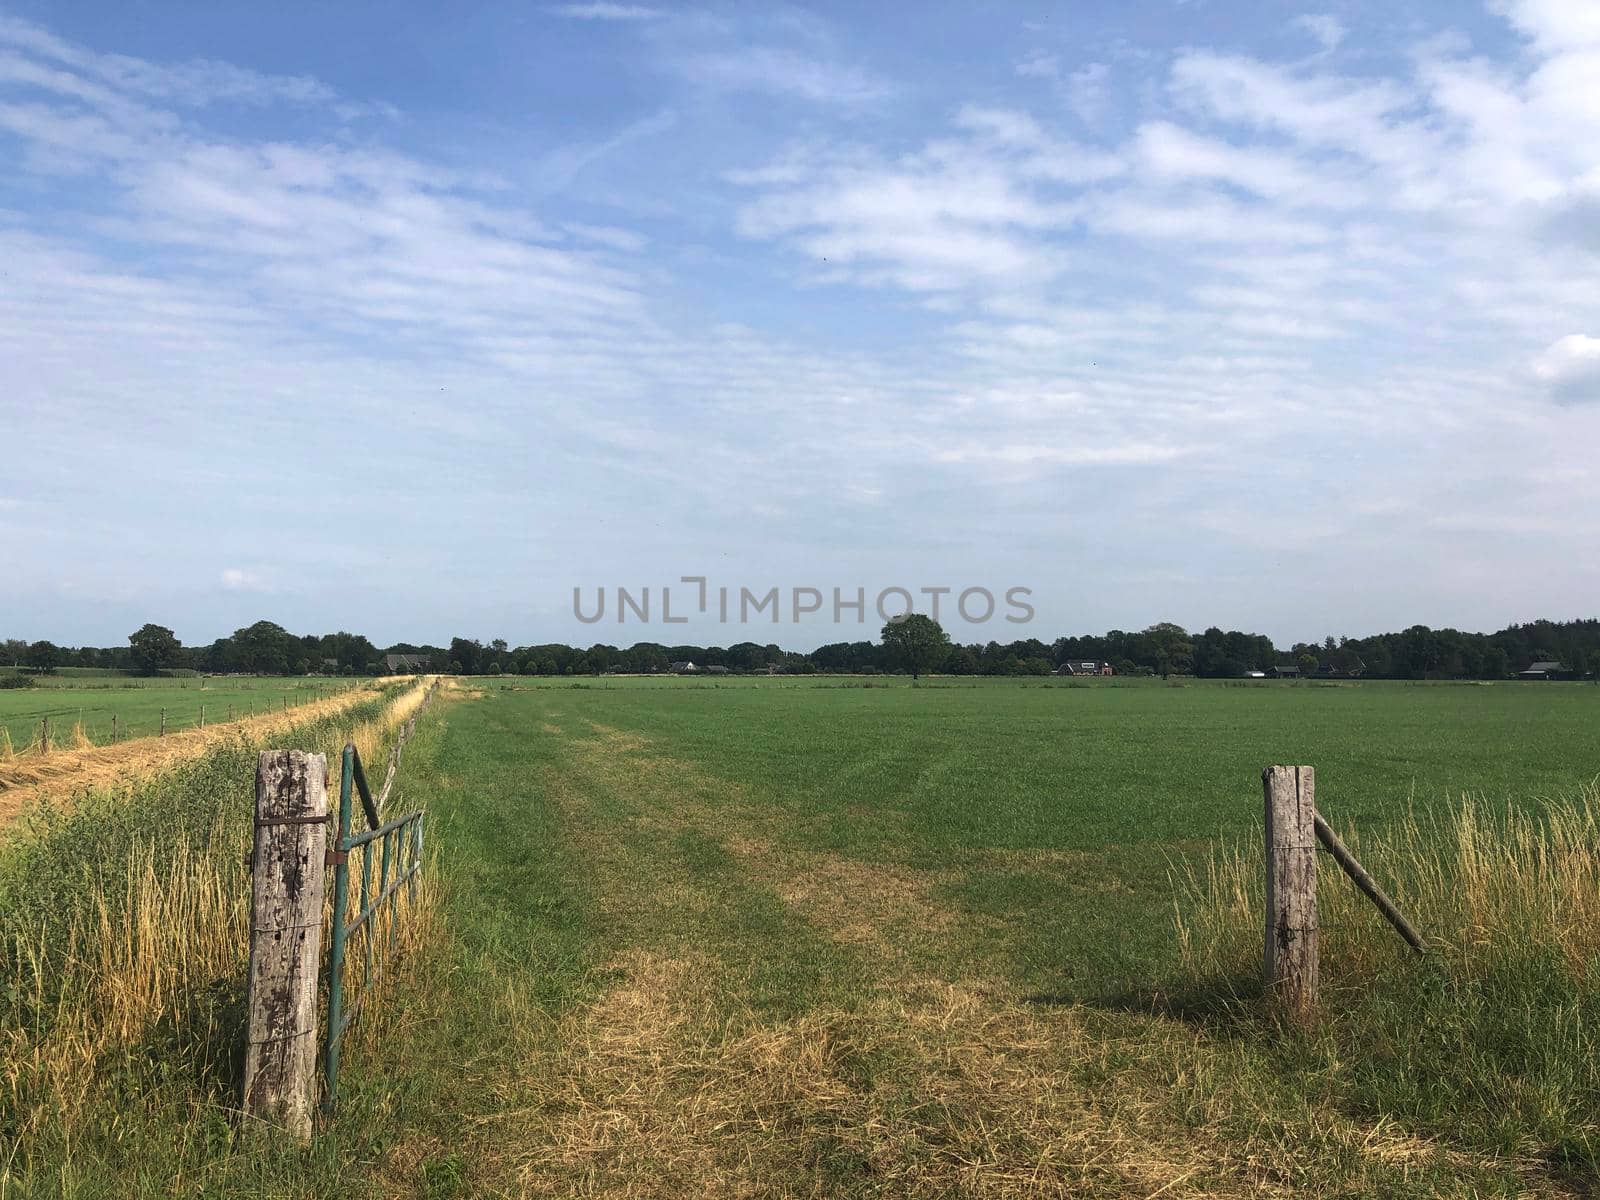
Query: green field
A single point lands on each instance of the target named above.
(965, 894)
(975, 778)
(93, 698)
(840, 937)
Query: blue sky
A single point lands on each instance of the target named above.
(409, 319)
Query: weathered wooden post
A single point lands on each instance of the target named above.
(163, 722)
(44, 736)
(286, 938)
(1291, 937)
(113, 727)
(202, 716)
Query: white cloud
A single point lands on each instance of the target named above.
(1570, 367)
(1325, 27)
(237, 579)
(1088, 92)
(1171, 152)
(1039, 65)
(197, 82)
(933, 221)
(1322, 111)
(782, 71)
(1554, 24)
(1069, 453)
(602, 11)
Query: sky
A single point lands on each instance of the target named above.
(411, 319)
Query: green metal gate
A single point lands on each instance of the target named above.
(399, 842)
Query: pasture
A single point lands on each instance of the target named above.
(818, 938)
(849, 937)
(996, 783)
(90, 700)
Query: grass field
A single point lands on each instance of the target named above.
(814, 938)
(92, 699)
(895, 941)
(1133, 776)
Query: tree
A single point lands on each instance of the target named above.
(915, 643)
(44, 657)
(263, 649)
(1494, 664)
(464, 655)
(352, 651)
(154, 648)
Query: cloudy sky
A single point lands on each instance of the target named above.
(410, 318)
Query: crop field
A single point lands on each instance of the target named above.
(90, 701)
(848, 937)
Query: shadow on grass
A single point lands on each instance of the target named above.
(1223, 1005)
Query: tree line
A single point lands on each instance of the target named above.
(1163, 649)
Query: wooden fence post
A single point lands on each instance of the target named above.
(1290, 973)
(163, 722)
(287, 877)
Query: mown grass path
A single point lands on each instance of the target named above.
(874, 942)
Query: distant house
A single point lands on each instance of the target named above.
(1255, 674)
(407, 664)
(716, 670)
(1079, 666)
(1545, 670)
(1283, 671)
(683, 668)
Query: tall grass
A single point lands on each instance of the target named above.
(1491, 1038)
(123, 934)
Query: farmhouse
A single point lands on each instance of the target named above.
(1544, 670)
(1084, 667)
(683, 668)
(407, 664)
(716, 670)
(1283, 671)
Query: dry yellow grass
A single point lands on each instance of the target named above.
(172, 932)
(1477, 880)
(925, 1088)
